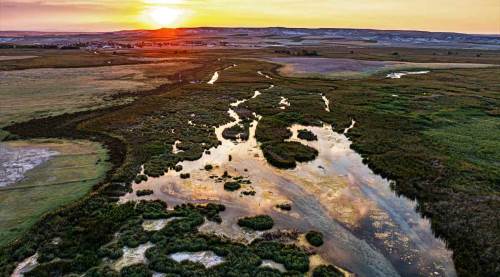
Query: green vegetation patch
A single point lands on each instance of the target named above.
(306, 135)
(327, 271)
(314, 238)
(232, 186)
(436, 136)
(61, 180)
(258, 223)
(287, 154)
(144, 192)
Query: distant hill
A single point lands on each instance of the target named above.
(379, 37)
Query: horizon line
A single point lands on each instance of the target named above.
(267, 27)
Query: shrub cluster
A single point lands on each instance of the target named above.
(144, 192)
(258, 223)
(140, 178)
(232, 186)
(307, 135)
(287, 154)
(284, 206)
(314, 238)
(327, 271)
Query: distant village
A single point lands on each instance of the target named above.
(112, 45)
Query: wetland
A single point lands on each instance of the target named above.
(225, 166)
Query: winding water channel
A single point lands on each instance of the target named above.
(368, 229)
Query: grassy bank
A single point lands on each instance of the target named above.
(436, 135)
(61, 180)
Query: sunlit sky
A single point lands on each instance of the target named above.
(469, 16)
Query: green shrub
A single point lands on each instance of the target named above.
(314, 238)
(292, 257)
(258, 223)
(140, 178)
(232, 186)
(152, 209)
(284, 206)
(138, 270)
(307, 135)
(327, 271)
(249, 192)
(144, 192)
(287, 154)
(208, 167)
(185, 175)
(113, 251)
(101, 272)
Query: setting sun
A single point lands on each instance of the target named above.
(164, 16)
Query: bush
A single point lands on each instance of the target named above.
(139, 178)
(185, 175)
(113, 251)
(138, 270)
(144, 192)
(178, 168)
(101, 272)
(327, 271)
(314, 238)
(152, 209)
(292, 257)
(284, 206)
(258, 223)
(232, 186)
(249, 192)
(307, 135)
(208, 167)
(287, 154)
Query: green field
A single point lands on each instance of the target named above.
(61, 180)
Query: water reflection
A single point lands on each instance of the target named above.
(368, 229)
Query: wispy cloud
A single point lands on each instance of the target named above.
(453, 15)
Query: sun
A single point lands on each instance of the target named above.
(164, 16)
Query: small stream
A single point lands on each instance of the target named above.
(398, 75)
(214, 79)
(368, 229)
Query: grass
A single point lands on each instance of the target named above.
(35, 93)
(437, 139)
(473, 149)
(61, 180)
(51, 58)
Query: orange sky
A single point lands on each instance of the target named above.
(470, 16)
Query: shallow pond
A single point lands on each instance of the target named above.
(273, 265)
(25, 266)
(206, 258)
(132, 256)
(368, 229)
(16, 161)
